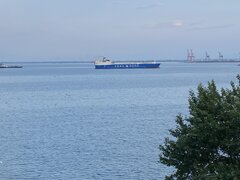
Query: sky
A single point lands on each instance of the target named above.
(46, 30)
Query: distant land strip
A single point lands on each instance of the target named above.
(183, 61)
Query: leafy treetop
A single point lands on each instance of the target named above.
(206, 145)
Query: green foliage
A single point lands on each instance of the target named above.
(206, 145)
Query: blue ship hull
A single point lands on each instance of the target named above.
(128, 66)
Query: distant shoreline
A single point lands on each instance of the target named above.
(87, 62)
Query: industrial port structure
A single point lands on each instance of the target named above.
(191, 58)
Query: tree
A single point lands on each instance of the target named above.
(206, 145)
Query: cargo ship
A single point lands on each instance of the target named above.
(109, 64)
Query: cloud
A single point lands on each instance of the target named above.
(170, 24)
(177, 23)
(209, 27)
(198, 25)
(151, 6)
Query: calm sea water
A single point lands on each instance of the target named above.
(70, 121)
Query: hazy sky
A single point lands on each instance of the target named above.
(118, 29)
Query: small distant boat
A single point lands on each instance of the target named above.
(108, 64)
(3, 66)
(9, 66)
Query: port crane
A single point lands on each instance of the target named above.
(207, 56)
(220, 56)
(190, 55)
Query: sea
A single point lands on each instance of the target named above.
(71, 121)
